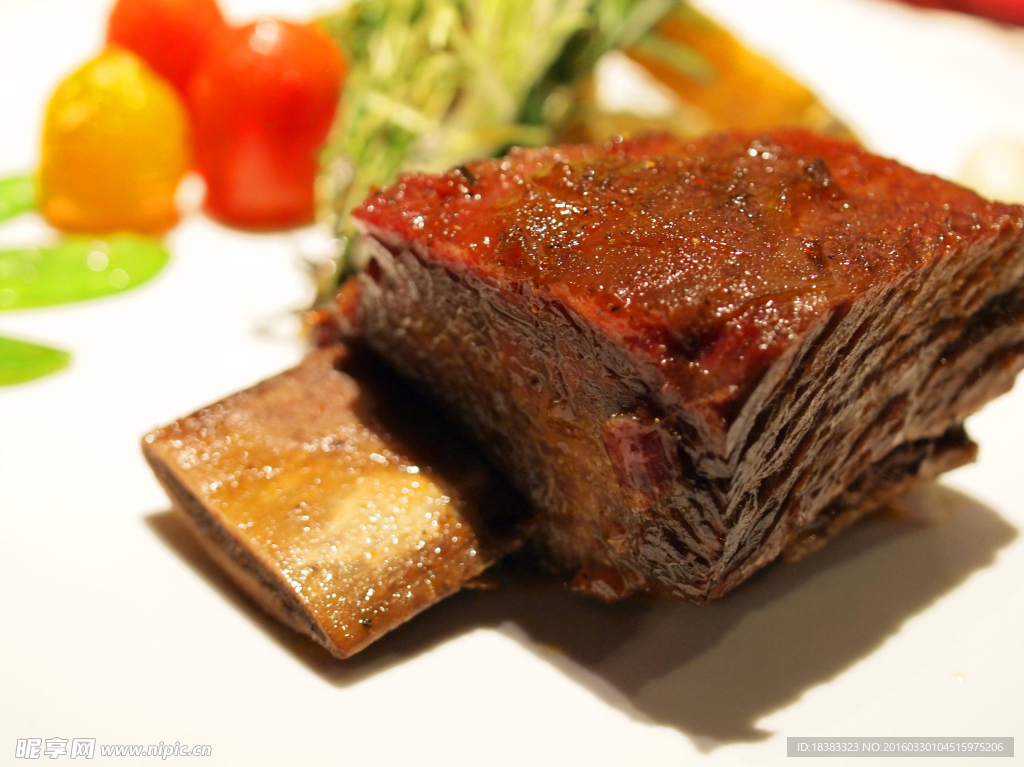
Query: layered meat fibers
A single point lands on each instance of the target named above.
(693, 357)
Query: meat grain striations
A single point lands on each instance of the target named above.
(695, 357)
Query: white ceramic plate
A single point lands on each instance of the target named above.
(115, 628)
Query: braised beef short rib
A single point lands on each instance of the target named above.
(696, 356)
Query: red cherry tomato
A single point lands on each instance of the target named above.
(262, 101)
(169, 35)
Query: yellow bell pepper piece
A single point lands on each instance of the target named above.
(115, 145)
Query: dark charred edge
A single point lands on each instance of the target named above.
(252, 576)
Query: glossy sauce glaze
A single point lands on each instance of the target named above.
(705, 258)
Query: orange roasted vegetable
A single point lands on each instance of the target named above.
(115, 146)
(729, 85)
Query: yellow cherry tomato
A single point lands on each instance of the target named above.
(115, 146)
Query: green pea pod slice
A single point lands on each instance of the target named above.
(77, 269)
(22, 361)
(17, 196)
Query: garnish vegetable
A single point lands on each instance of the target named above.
(77, 269)
(115, 145)
(17, 196)
(262, 102)
(22, 361)
(169, 35)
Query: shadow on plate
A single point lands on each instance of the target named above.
(713, 671)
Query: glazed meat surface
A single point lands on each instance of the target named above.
(693, 357)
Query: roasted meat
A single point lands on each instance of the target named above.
(694, 357)
(336, 497)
